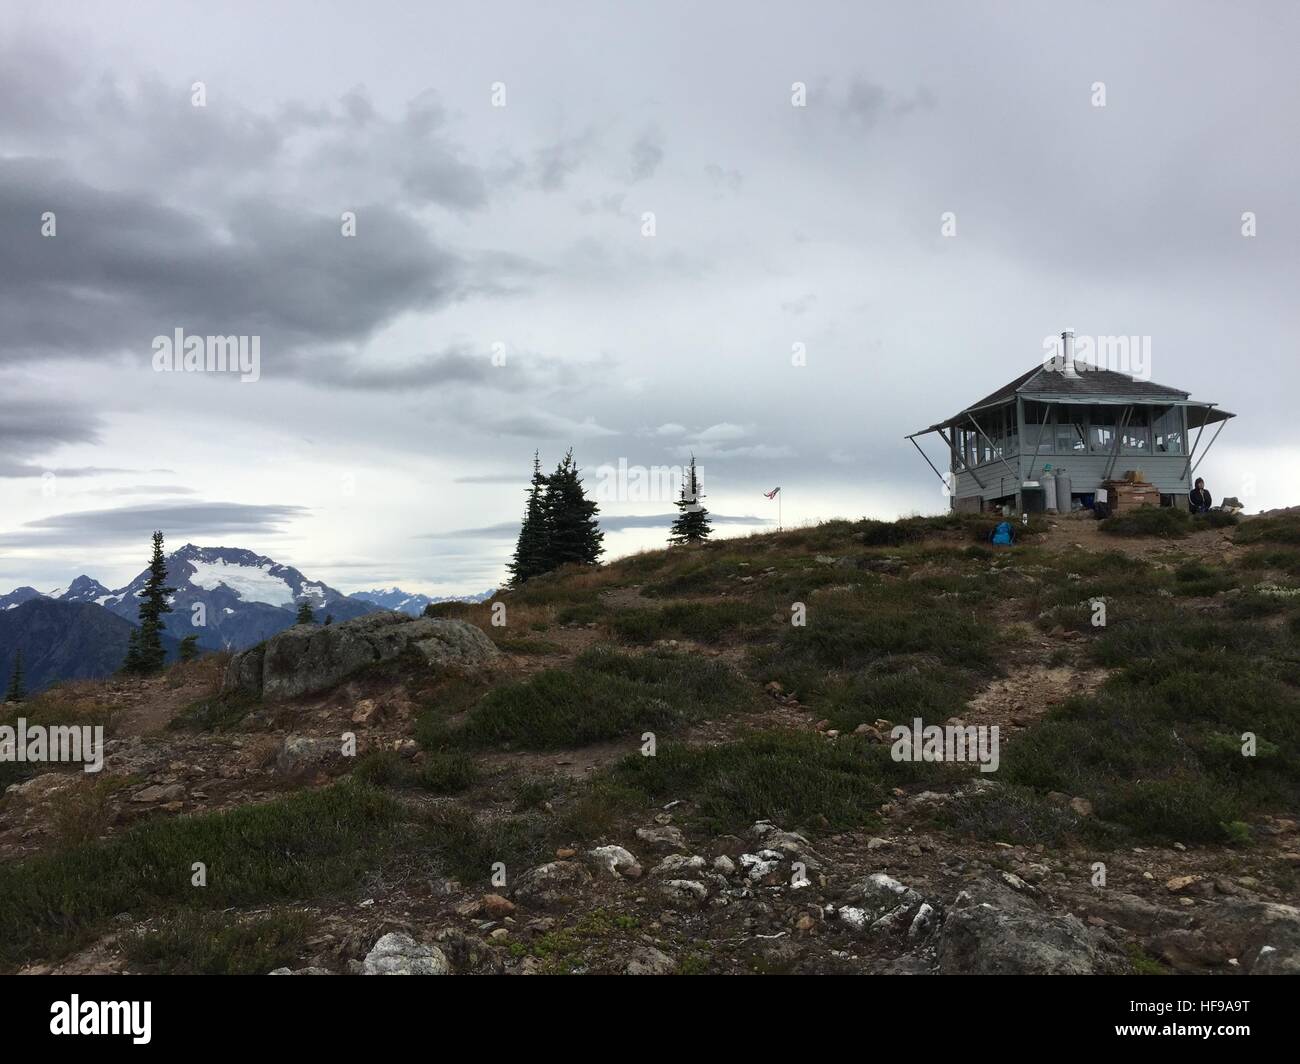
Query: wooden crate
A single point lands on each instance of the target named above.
(1125, 496)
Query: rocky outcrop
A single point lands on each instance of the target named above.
(552, 885)
(991, 929)
(397, 953)
(313, 657)
(1264, 935)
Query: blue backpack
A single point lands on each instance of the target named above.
(1003, 535)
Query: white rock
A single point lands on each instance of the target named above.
(613, 859)
(397, 953)
(685, 890)
(923, 922)
(677, 863)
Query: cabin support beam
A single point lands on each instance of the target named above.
(1209, 445)
(953, 448)
(1014, 473)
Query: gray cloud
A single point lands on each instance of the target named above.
(647, 153)
(124, 269)
(186, 520)
(557, 161)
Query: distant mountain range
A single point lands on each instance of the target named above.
(394, 598)
(229, 597)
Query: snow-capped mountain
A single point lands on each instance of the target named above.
(82, 589)
(233, 598)
(17, 597)
(227, 596)
(394, 598)
(230, 597)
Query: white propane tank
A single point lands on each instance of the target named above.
(1063, 500)
(1049, 491)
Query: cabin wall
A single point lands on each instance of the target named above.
(1085, 471)
(1086, 468)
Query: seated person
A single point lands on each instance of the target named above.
(1200, 499)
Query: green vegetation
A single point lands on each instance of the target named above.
(692, 522)
(439, 772)
(848, 631)
(603, 695)
(897, 690)
(559, 526)
(202, 943)
(791, 778)
(145, 653)
(1017, 814)
(702, 622)
(300, 847)
(1159, 748)
(468, 846)
(17, 691)
(1166, 522)
(216, 713)
(1284, 528)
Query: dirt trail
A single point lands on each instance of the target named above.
(1081, 532)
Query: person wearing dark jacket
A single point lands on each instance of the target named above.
(1200, 498)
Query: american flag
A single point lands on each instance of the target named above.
(771, 494)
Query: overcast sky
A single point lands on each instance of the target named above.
(501, 292)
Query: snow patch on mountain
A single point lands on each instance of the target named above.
(250, 583)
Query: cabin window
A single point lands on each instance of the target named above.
(1137, 433)
(1038, 440)
(1167, 432)
(1069, 436)
(1101, 430)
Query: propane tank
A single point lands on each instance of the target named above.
(1049, 491)
(1063, 501)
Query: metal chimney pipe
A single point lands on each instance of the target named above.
(1067, 348)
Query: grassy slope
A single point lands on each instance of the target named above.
(901, 620)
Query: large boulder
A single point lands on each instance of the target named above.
(992, 929)
(1264, 935)
(397, 953)
(552, 885)
(314, 657)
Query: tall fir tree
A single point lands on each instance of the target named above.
(17, 685)
(692, 522)
(530, 557)
(145, 653)
(189, 648)
(573, 535)
(305, 614)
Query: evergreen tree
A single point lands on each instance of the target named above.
(305, 615)
(692, 522)
(329, 619)
(530, 557)
(132, 662)
(189, 648)
(145, 653)
(17, 687)
(572, 532)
